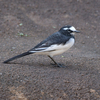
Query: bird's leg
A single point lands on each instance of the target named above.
(58, 65)
(53, 60)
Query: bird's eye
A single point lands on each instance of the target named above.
(69, 31)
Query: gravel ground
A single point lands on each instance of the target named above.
(23, 24)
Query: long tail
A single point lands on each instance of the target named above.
(18, 56)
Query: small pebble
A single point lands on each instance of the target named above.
(13, 47)
(0, 73)
(20, 24)
(92, 90)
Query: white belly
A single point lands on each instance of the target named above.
(62, 48)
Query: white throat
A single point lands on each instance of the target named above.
(73, 33)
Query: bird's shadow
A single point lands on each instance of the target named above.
(68, 65)
(39, 64)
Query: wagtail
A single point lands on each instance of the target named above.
(55, 44)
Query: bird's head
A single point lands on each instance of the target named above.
(68, 30)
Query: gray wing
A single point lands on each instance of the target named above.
(56, 38)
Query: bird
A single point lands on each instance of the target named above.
(55, 44)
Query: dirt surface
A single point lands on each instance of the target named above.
(23, 24)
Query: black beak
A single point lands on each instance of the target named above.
(77, 31)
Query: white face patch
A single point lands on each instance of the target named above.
(72, 28)
(65, 28)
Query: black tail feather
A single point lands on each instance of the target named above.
(18, 56)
